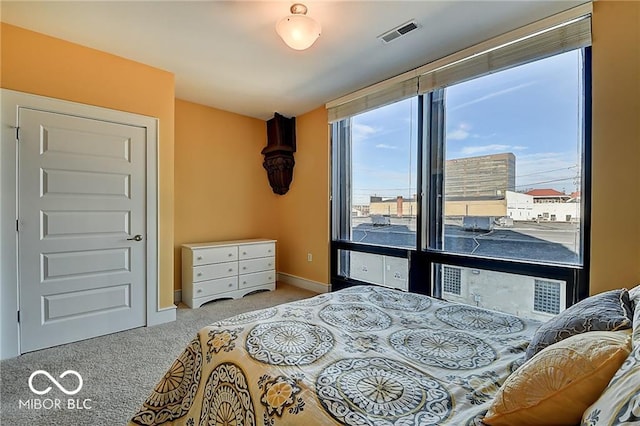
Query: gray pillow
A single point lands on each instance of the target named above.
(608, 311)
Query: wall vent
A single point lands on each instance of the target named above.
(399, 31)
(451, 280)
(546, 297)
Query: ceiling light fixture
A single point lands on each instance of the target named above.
(298, 30)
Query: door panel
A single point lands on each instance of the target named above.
(84, 184)
(81, 197)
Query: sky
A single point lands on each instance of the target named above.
(532, 111)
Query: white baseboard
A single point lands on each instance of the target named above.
(304, 283)
(177, 296)
(162, 315)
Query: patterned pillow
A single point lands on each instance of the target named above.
(636, 316)
(608, 311)
(634, 295)
(557, 385)
(619, 404)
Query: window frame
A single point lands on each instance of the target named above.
(422, 273)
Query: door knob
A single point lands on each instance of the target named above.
(135, 238)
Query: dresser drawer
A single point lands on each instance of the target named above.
(214, 271)
(252, 280)
(207, 288)
(257, 265)
(214, 255)
(251, 251)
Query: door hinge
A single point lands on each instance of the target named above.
(18, 316)
(17, 132)
(17, 225)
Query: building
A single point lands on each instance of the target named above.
(543, 205)
(484, 176)
(393, 207)
(548, 195)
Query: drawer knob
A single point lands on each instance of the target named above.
(199, 257)
(244, 252)
(230, 284)
(230, 269)
(244, 268)
(244, 282)
(268, 264)
(269, 277)
(269, 251)
(199, 274)
(200, 290)
(230, 254)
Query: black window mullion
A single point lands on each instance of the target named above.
(341, 196)
(420, 175)
(582, 279)
(341, 135)
(435, 171)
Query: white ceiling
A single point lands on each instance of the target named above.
(226, 54)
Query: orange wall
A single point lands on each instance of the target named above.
(47, 66)
(222, 190)
(615, 228)
(303, 212)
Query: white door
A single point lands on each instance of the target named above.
(81, 209)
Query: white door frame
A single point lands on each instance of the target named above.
(11, 101)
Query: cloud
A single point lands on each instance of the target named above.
(557, 170)
(460, 133)
(385, 146)
(492, 95)
(360, 132)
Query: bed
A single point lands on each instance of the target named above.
(365, 355)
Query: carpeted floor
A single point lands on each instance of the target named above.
(118, 370)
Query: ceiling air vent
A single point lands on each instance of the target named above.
(398, 32)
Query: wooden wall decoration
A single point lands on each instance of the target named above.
(278, 154)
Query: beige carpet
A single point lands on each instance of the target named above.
(118, 370)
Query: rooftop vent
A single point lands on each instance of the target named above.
(400, 31)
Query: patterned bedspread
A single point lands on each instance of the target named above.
(361, 356)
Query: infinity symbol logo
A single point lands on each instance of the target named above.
(55, 382)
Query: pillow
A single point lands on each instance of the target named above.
(557, 385)
(619, 404)
(636, 323)
(634, 295)
(608, 311)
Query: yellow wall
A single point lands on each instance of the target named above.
(46, 66)
(222, 190)
(303, 212)
(615, 229)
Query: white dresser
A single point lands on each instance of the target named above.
(227, 269)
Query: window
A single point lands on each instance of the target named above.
(522, 295)
(372, 268)
(473, 176)
(382, 172)
(514, 138)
